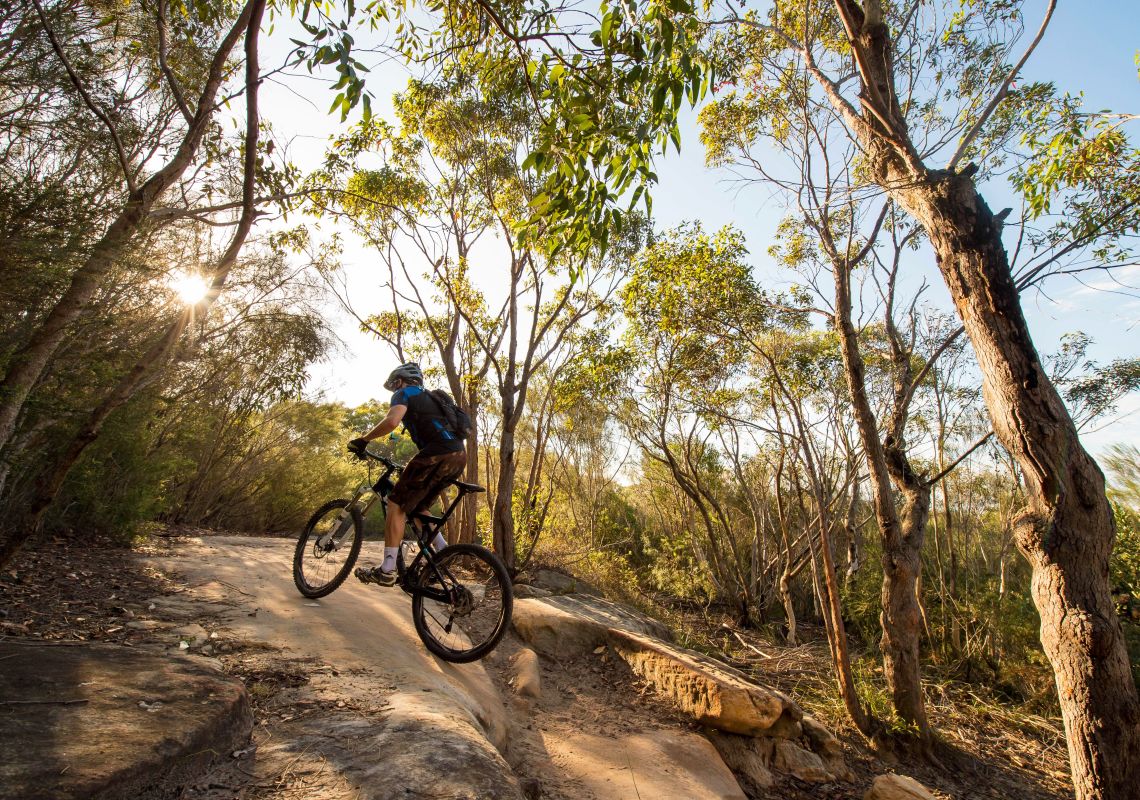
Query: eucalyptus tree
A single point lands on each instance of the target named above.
(680, 298)
(176, 100)
(423, 210)
(451, 192)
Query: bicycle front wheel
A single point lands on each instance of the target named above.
(462, 608)
(328, 548)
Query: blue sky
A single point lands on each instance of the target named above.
(1090, 47)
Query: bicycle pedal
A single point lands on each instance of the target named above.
(364, 575)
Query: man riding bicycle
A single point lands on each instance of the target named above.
(442, 457)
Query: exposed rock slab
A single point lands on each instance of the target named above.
(560, 583)
(713, 695)
(573, 625)
(103, 721)
(443, 726)
(897, 787)
(426, 751)
(652, 764)
(553, 631)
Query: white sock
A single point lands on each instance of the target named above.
(390, 554)
(439, 542)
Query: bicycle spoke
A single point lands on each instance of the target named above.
(474, 617)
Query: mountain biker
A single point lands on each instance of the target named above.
(442, 457)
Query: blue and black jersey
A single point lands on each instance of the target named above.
(425, 423)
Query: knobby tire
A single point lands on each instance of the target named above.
(497, 580)
(303, 545)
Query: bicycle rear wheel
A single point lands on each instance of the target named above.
(462, 608)
(328, 548)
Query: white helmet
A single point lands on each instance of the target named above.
(408, 373)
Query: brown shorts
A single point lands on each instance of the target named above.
(424, 478)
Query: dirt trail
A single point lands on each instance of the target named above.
(357, 705)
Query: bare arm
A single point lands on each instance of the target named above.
(388, 424)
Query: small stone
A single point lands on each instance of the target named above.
(192, 633)
(897, 787)
(144, 624)
(803, 764)
(527, 678)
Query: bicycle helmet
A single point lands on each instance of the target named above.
(409, 373)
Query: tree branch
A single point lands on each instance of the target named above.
(85, 95)
(1002, 91)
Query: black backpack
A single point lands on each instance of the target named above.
(458, 420)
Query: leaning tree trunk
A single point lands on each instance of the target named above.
(1067, 530)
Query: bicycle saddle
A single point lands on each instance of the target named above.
(469, 487)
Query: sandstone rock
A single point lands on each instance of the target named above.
(560, 583)
(570, 625)
(824, 743)
(897, 787)
(145, 624)
(555, 632)
(114, 722)
(528, 681)
(664, 764)
(789, 757)
(526, 590)
(785, 728)
(712, 694)
(822, 740)
(748, 757)
(424, 751)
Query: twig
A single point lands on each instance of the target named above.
(43, 702)
(740, 639)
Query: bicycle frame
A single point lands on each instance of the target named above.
(424, 525)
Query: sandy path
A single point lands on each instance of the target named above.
(386, 709)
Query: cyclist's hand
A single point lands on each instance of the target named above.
(357, 446)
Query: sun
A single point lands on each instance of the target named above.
(190, 287)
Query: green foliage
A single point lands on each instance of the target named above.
(1124, 568)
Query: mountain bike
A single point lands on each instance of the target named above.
(461, 594)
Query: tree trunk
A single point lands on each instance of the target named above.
(854, 534)
(901, 534)
(789, 607)
(503, 515)
(1067, 530)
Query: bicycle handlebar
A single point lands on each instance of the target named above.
(363, 453)
(385, 461)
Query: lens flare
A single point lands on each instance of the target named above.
(190, 287)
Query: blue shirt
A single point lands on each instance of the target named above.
(425, 423)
